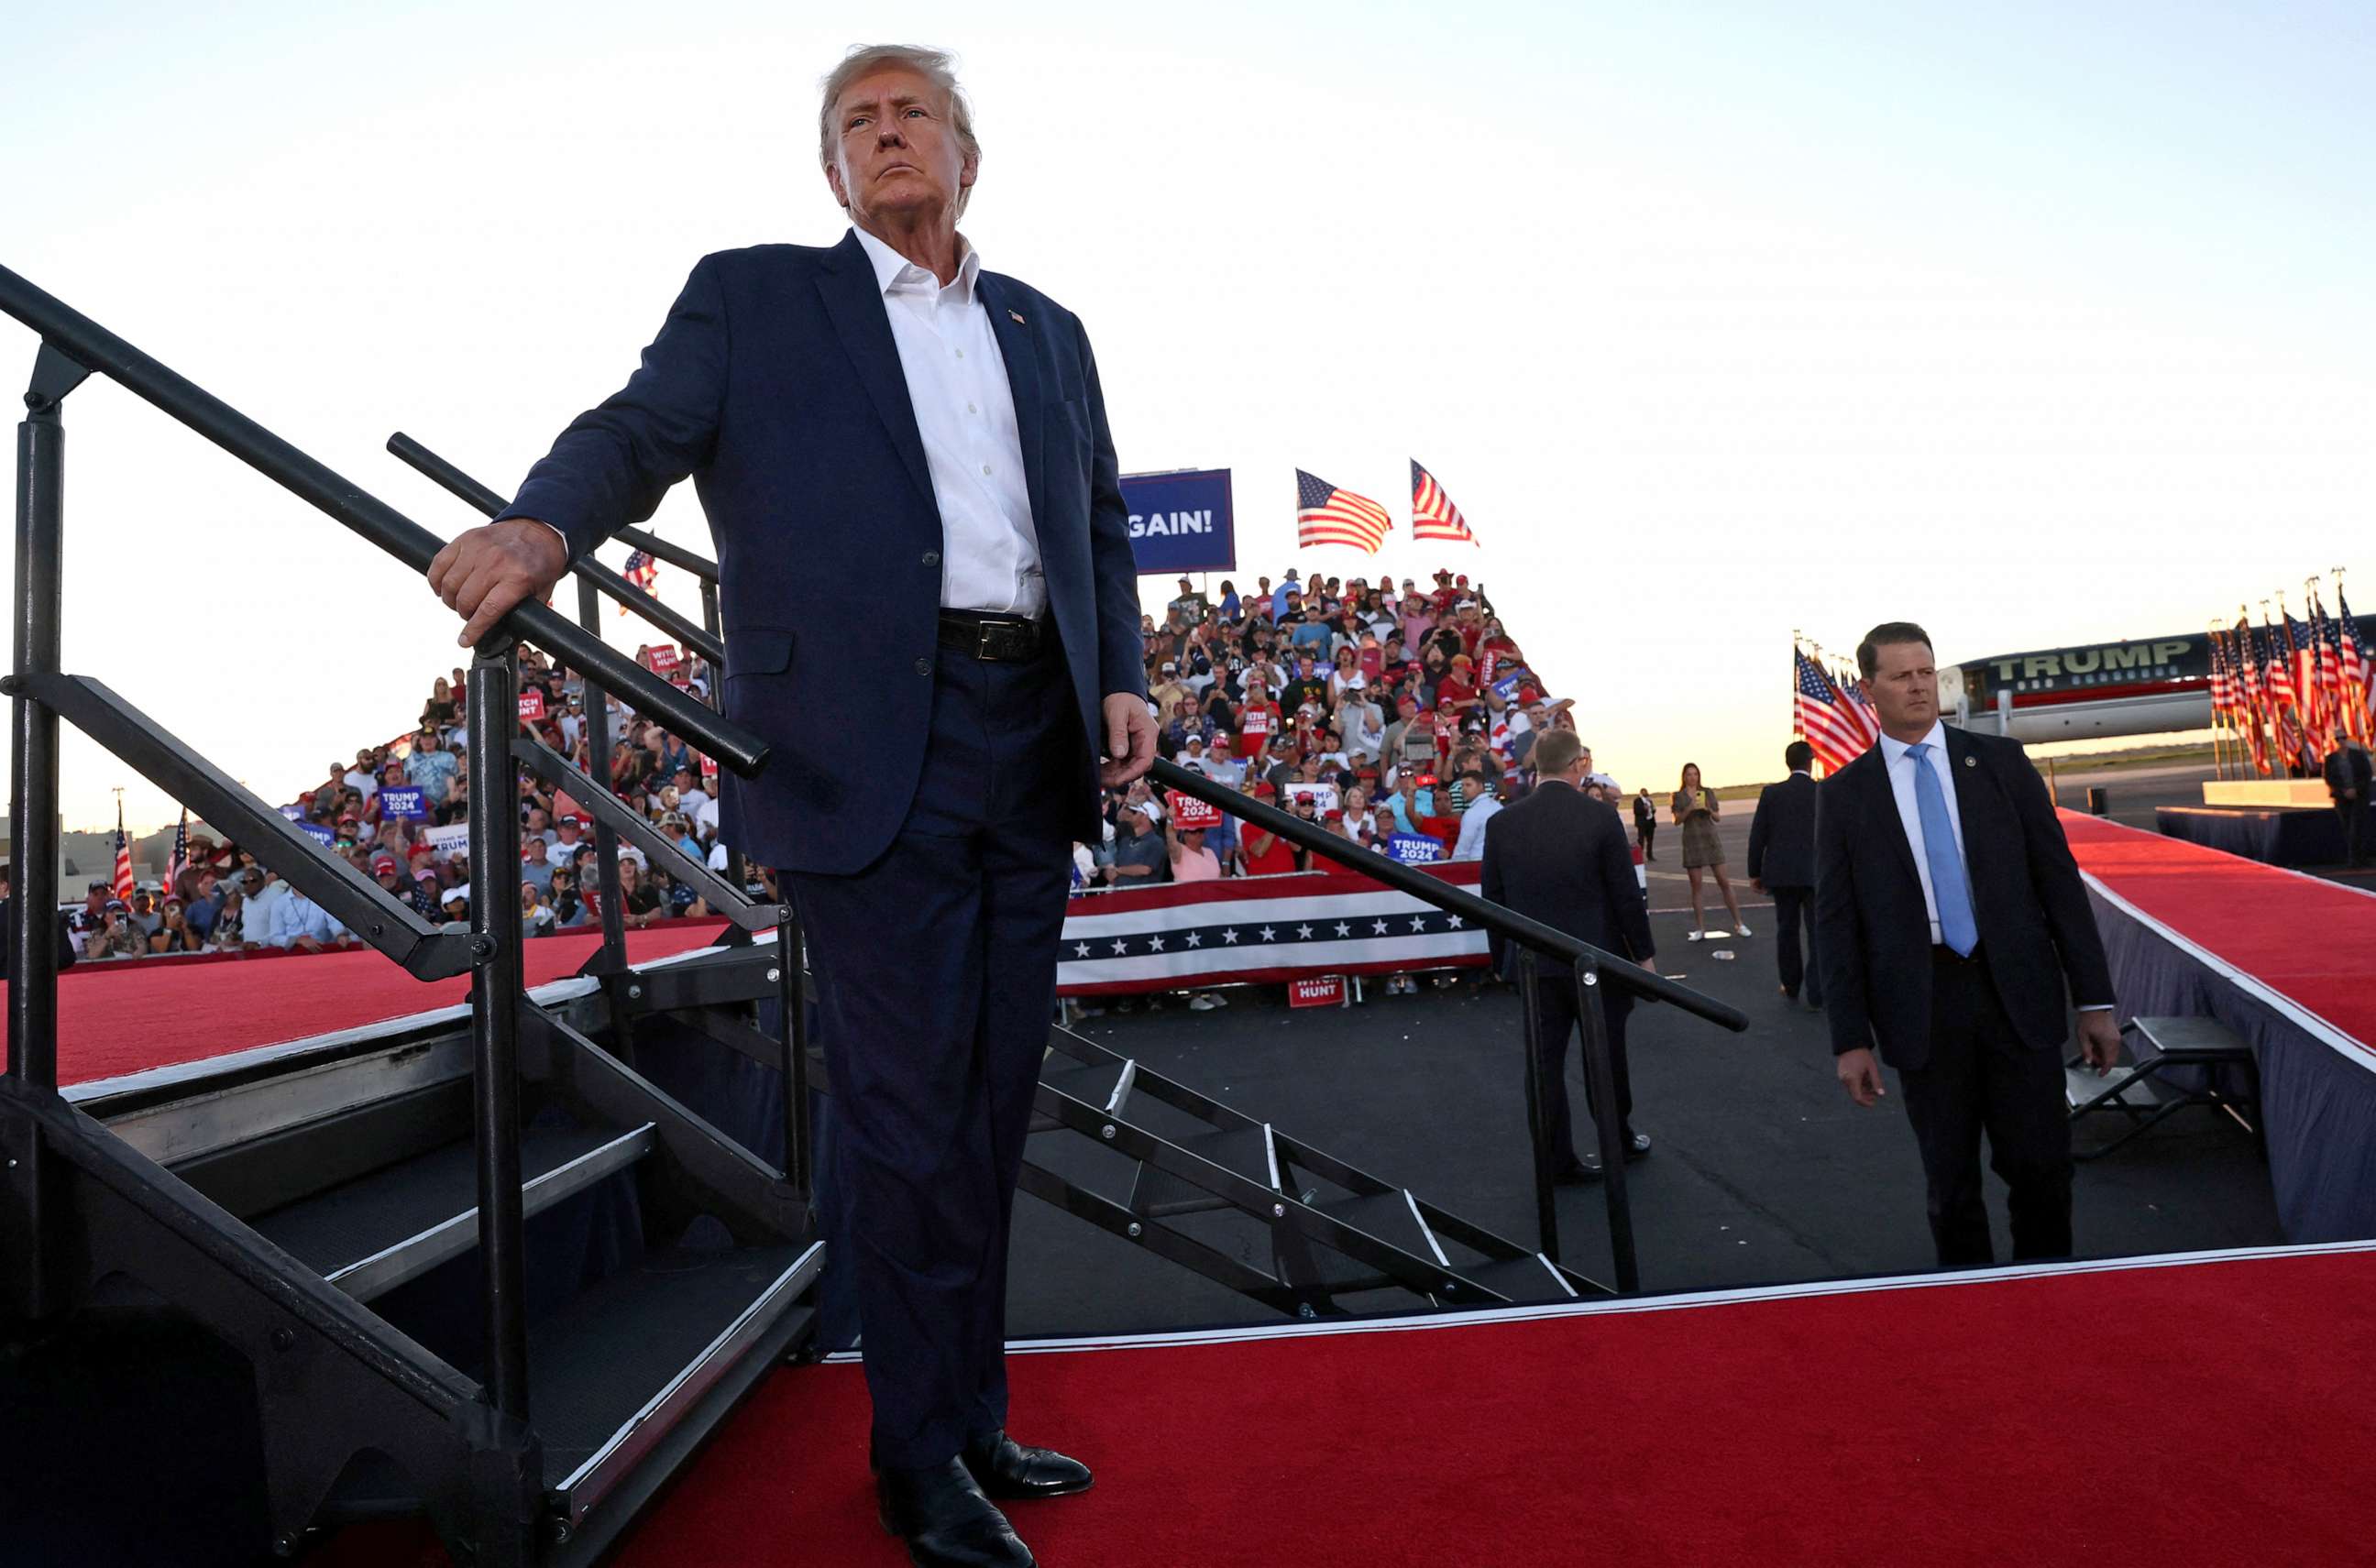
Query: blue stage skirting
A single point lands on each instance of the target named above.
(2317, 1099)
(2296, 836)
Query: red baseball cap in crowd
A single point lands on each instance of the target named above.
(1460, 581)
(1447, 702)
(382, 865)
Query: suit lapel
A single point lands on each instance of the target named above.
(1884, 807)
(854, 303)
(1015, 343)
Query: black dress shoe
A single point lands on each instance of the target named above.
(1005, 1468)
(1637, 1147)
(1790, 995)
(1585, 1168)
(944, 1519)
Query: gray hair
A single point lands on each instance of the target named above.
(936, 65)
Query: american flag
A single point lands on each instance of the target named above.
(181, 861)
(2357, 672)
(2245, 660)
(2309, 693)
(2223, 689)
(643, 571)
(2277, 673)
(1826, 719)
(1432, 513)
(123, 857)
(1325, 515)
(1860, 704)
(2331, 681)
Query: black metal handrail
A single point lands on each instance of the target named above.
(100, 352)
(676, 555)
(1589, 967)
(463, 487)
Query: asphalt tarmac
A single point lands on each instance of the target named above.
(1763, 1170)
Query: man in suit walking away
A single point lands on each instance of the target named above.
(1782, 863)
(2346, 771)
(885, 412)
(1645, 822)
(1953, 932)
(1559, 857)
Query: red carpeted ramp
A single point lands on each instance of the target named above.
(2287, 963)
(2141, 1415)
(2311, 941)
(130, 1015)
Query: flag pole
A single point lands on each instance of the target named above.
(2218, 756)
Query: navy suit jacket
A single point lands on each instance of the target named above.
(1561, 857)
(1873, 933)
(774, 382)
(1782, 834)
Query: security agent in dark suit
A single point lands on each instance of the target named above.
(2346, 771)
(1782, 863)
(928, 442)
(1559, 857)
(1949, 922)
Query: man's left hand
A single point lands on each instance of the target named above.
(1130, 740)
(2099, 1040)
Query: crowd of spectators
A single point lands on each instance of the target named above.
(396, 813)
(1397, 717)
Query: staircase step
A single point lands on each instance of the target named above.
(371, 1234)
(1245, 1150)
(613, 1372)
(2080, 1084)
(1091, 1082)
(1519, 1279)
(1389, 1217)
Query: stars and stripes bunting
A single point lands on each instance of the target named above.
(1325, 515)
(1259, 929)
(1822, 716)
(1432, 513)
(123, 857)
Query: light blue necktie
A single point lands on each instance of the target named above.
(1947, 885)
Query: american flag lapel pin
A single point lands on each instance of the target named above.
(1018, 318)
(1971, 761)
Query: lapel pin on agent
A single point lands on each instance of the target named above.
(1018, 318)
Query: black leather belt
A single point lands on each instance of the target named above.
(1004, 638)
(1943, 954)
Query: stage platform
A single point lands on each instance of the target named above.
(2277, 836)
(134, 1015)
(2286, 962)
(1998, 1416)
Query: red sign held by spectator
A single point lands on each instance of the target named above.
(664, 658)
(710, 770)
(531, 704)
(1316, 991)
(1188, 812)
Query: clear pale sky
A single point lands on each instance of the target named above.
(2033, 323)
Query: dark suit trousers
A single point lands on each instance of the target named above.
(2354, 815)
(1792, 905)
(1983, 1077)
(1557, 1001)
(937, 969)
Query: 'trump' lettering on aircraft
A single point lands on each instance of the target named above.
(1167, 525)
(2087, 661)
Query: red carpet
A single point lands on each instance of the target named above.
(2210, 1413)
(2314, 941)
(125, 1017)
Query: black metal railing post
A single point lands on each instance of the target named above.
(496, 994)
(737, 871)
(597, 758)
(1600, 1073)
(792, 965)
(33, 725)
(1530, 1009)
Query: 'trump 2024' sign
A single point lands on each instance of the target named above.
(1181, 522)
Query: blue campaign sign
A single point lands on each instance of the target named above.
(320, 834)
(406, 804)
(1414, 850)
(1181, 522)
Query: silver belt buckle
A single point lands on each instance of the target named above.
(981, 643)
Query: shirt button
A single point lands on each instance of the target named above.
(923, 667)
(931, 557)
(971, 409)
(985, 468)
(960, 354)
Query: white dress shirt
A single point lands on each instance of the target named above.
(973, 448)
(1898, 755)
(1470, 845)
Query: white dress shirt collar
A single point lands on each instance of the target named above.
(1892, 748)
(894, 272)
